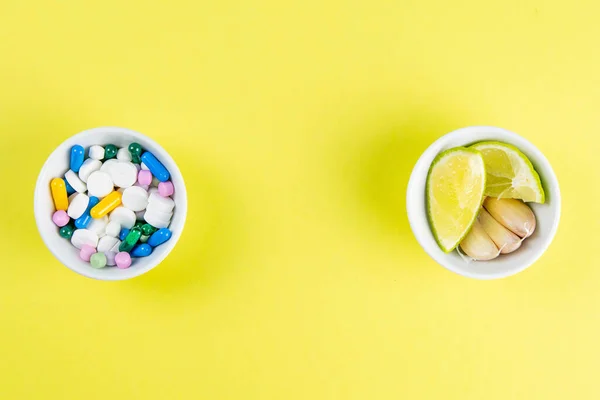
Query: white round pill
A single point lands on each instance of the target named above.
(84, 236)
(135, 198)
(99, 184)
(90, 165)
(96, 152)
(113, 229)
(155, 209)
(107, 165)
(78, 205)
(106, 243)
(124, 216)
(123, 174)
(75, 182)
(165, 204)
(154, 219)
(123, 154)
(98, 226)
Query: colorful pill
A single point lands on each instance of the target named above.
(141, 250)
(110, 151)
(70, 189)
(98, 260)
(83, 221)
(60, 218)
(59, 194)
(131, 239)
(156, 167)
(109, 203)
(159, 237)
(165, 189)
(123, 234)
(77, 156)
(86, 252)
(148, 229)
(144, 177)
(66, 231)
(123, 260)
(135, 149)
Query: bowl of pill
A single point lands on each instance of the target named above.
(110, 203)
(483, 202)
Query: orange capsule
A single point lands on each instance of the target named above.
(106, 205)
(59, 194)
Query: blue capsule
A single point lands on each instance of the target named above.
(159, 237)
(141, 250)
(156, 167)
(77, 156)
(123, 234)
(70, 189)
(83, 221)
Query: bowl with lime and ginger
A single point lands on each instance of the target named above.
(483, 202)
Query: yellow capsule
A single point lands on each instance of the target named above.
(59, 194)
(106, 205)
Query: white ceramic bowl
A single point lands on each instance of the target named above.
(547, 215)
(58, 163)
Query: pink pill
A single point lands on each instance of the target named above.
(123, 260)
(144, 177)
(165, 189)
(60, 218)
(86, 252)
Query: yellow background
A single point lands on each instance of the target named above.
(296, 125)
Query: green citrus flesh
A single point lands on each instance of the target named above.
(509, 173)
(455, 190)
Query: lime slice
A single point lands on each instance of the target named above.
(455, 187)
(509, 173)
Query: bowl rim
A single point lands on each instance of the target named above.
(126, 273)
(419, 175)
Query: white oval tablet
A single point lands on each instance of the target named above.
(113, 229)
(90, 165)
(123, 174)
(135, 198)
(99, 184)
(75, 182)
(98, 226)
(123, 154)
(165, 204)
(106, 243)
(84, 236)
(96, 152)
(78, 205)
(153, 208)
(155, 220)
(124, 216)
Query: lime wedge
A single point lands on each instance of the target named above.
(455, 187)
(509, 173)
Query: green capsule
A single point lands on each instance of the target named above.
(131, 239)
(136, 152)
(67, 231)
(98, 260)
(110, 151)
(148, 229)
(144, 238)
